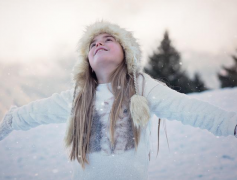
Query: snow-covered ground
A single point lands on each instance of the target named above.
(193, 153)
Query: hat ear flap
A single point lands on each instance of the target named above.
(138, 106)
(79, 71)
(139, 110)
(69, 134)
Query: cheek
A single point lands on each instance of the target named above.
(120, 53)
(90, 59)
(89, 56)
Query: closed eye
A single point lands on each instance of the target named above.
(109, 39)
(92, 45)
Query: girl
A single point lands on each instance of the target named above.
(108, 111)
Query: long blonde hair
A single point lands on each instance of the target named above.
(79, 131)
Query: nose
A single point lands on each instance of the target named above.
(99, 43)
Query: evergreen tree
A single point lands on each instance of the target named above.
(230, 79)
(197, 84)
(165, 65)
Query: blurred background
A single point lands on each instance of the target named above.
(190, 39)
(189, 44)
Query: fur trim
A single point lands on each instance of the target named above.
(139, 110)
(124, 37)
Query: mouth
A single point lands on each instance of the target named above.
(100, 49)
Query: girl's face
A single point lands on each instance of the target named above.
(105, 53)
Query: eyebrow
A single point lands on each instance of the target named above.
(103, 37)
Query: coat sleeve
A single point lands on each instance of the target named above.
(167, 103)
(54, 109)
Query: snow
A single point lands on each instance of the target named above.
(193, 153)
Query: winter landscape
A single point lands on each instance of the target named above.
(193, 153)
(38, 49)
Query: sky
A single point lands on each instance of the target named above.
(203, 31)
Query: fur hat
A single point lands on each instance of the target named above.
(138, 105)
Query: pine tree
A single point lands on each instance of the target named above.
(165, 65)
(230, 77)
(198, 84)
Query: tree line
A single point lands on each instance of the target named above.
(166, 65)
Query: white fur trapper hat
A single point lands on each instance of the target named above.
(138, 104)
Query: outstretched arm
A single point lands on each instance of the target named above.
(172, 105)
(54, 109)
